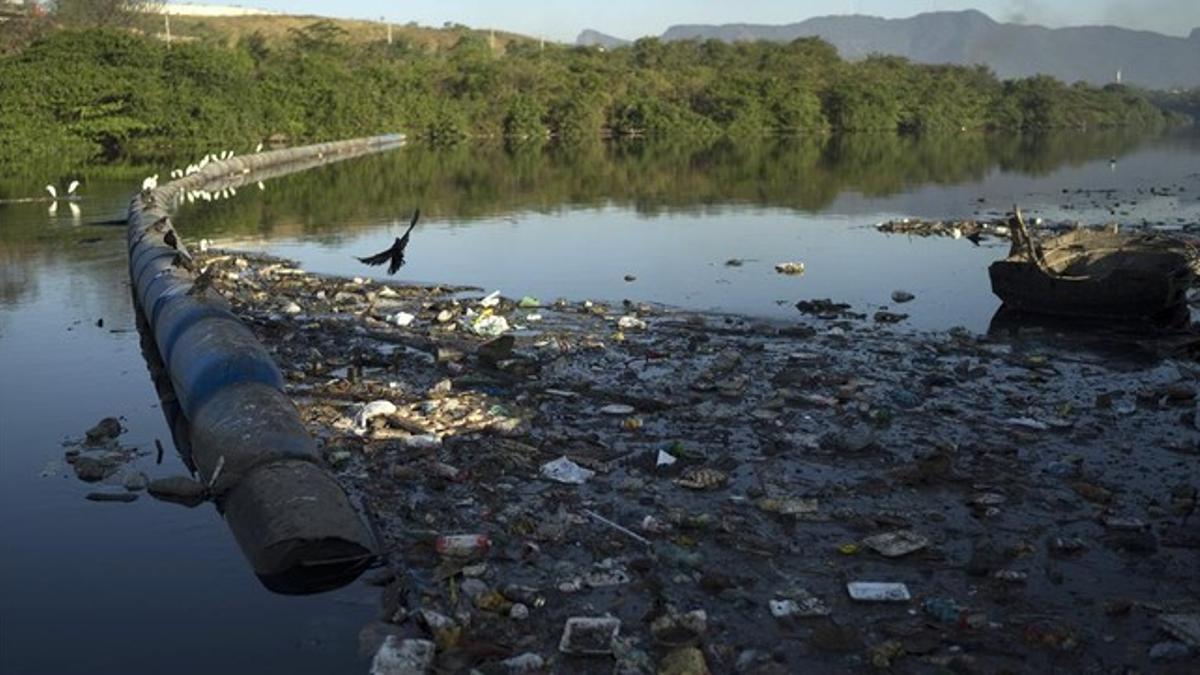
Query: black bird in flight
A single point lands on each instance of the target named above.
(394, 256)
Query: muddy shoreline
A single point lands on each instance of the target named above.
(725, 479)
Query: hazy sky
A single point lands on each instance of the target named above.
(563, 19)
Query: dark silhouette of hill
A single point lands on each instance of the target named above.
(594, 38)
(1093, 54)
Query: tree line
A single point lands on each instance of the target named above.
(109, 92)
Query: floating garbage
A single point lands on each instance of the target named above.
(878, 591)
(370, 411)
(178, 489)
(403, 319)
(490, 325)
(589, 635)
(93, 469)
(896, 544)
(617, 409)
(523, 663)
(563, 470)
(801, 604)
(684, 661)
(883, 316)
(790, 268)
(788, 506)
(462, 545)
(490, 300)
(123, 497)
(106, 429)
(1027, 423)
(403, 657)
(702, 479)
(423, 442)
(672, 629)
(756, 420)
(631, 323)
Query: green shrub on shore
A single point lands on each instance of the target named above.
(108, 93)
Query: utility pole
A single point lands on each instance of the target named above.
(389, 29)
(167, 21)
(492, 39)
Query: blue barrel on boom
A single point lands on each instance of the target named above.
(213, 354)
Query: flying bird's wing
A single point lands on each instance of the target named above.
(381, 257)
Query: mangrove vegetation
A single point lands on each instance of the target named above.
(76, 94)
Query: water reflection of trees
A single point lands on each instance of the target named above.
(471, 181)
(17, 279)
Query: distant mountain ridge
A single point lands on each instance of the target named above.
(1093, 54)
(594, 38)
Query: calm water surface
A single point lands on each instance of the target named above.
(151, 587)
(575, 227)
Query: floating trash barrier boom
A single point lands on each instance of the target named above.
(292, 520)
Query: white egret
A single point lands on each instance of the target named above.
(258, 148)
(72, 187)
(52, 191)
(150, 183)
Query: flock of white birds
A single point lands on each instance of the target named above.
(151, 183)
(69, 196)
(192, 196)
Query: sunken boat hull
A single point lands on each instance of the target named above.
(1088, 273)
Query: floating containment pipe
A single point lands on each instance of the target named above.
(291, 519)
